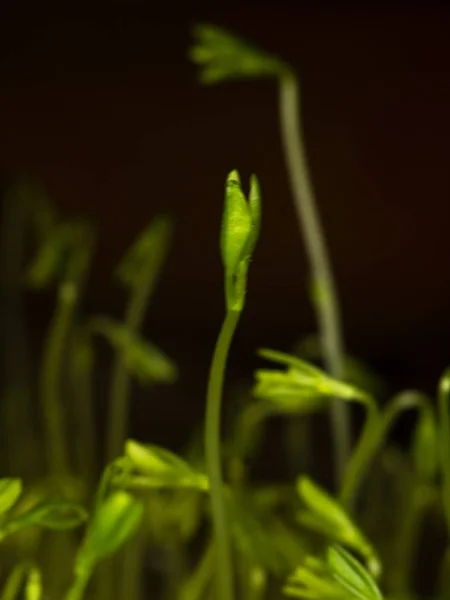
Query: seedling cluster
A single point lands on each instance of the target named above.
(76, 529)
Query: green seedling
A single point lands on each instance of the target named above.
(139, 272)
(222, 57)
(337, 577)
(240, 229)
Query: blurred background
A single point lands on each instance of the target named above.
(100, 103)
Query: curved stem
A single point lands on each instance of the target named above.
(369, 441)
(225, 587)
(326, 299)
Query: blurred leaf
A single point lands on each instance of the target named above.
(326, 516)
(241, 223)
(115, 521)
(425, 445)
(338, 577)
(222, 57)
(352, 575)
(159, 468)
(57, 515)
(10, 491)
(251, 535)
(173, 513)
(145, 256)
(356, 372)
(301, 387)
(144, 360)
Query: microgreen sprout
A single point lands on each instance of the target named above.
(222, 56)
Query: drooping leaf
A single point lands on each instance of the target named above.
(425, 445)
(223, 56)
(143, 359)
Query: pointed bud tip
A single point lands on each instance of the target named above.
(233, 177)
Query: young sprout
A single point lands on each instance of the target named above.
(240, 229)
(339, 576)
(115, 520)
(222, 57)
(139, 272)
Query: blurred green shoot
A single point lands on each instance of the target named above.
(337, 577)
(222, 56)
(325, 516)
(139, 272)
(116, 519)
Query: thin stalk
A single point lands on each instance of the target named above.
(51, 382)
(224, 570)
(327, 303)
(195, 586)
(81, 377)
(369, 441)
(76, 592)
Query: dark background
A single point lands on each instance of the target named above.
(100, 102)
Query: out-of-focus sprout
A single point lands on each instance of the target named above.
(339, 576)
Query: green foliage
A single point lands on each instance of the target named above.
(223, 56)
(215, 528)
(337, 577)
(142, 359)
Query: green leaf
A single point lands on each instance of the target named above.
(146, 255)
(10, 491)
(57, 515)
(326, 516)
(115, 521)
(159, 468)
(241, 224)
(351, 575)
(224, 56)
(301, 387)
(339, 577)
(144, 360)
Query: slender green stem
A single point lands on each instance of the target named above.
(225, 585)
(369, 441)
(410, 526)
(81, 375)
(51, 381)
(76, 592)
(327, 305)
